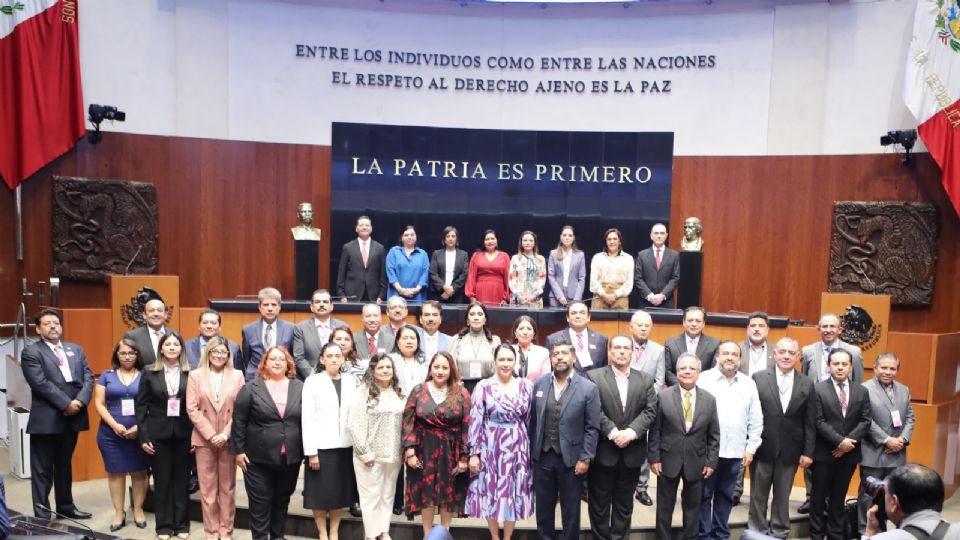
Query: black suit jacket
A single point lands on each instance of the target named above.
(648, 279)
(682, 452)
(356, 282)
(596, 346)
(832, 427)
(638, 415)
(141, 336)
(153, 424)
(786, 436)
(438, 273)
(51, 393)
(677, 345)
(258, 429)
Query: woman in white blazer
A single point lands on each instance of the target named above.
(329, 483)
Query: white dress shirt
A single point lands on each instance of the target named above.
(741, 420)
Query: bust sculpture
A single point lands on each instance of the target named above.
(692, 231)
(305, 230)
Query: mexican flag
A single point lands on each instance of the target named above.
(932, 86)
(41, 101)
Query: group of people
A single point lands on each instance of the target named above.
(368, 272)
(404, 418)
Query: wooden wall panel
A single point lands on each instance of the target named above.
(226, 207)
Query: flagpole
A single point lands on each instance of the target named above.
(18, 222)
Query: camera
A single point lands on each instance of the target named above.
(99, 113)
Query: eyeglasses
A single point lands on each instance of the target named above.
(219, 353)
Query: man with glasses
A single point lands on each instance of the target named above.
(786, 442)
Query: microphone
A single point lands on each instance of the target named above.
(91, 536)
(126, 271)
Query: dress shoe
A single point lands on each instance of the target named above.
(644, 498)
(77, 514)
(140, 524)
(397, 511)
(39, 514)
(804, 508)
(355, 510)
(114, 527)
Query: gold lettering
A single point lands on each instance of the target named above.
(398, 164)
(433, 167)
(556, 173)
(449, 169)
(588, 175)
(648, 174)
(374, 167)
(478, 172)
(625, 175)
(540, 170)
(415, 169)
(608, 174)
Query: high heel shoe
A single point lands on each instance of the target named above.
(139, 524)
(114, 527)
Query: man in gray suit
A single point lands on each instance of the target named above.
(814, 365)
(657, 271)
(209, 328)
(589, 346)
(147, 337)
(786, 442)
(692, 340)
(372, 339)
(628, 405)
(310, 335)
(564, 427)
(756, 355)
(647, 358)
(885, 446)
(432, 340)
(684, 444)
(61, 385)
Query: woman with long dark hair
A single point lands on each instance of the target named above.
(472, 348)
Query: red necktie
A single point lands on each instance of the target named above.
(372, 343)
(364, 252)
(657, 251)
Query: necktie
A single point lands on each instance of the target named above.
(364, 253)
(687, 409)
(843, 399)
(268, 336)
(784, 388)
(638, 352)
(826, 363)
(579, 342)
(657, 251)
(372, 344)
(889, 390)
(61, 358)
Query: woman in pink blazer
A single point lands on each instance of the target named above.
(211, 391)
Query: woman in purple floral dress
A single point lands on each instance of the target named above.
(501, 489)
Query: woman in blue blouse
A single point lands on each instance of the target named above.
(408, 269)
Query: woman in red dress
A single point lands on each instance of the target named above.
(487, 277)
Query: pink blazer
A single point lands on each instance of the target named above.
(208, 415)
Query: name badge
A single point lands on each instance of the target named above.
(475, 370)
(895, 416)
(173, 407)
(539, 393)
(126, 407)
(69, 353)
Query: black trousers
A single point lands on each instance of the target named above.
(269, 488)
(689, 504)
(171, 485)
(611, 499)
(50, 467)
(830, 481)
(552, 480)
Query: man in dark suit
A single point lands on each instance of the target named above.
(563, 441)
(373, 338)
(61, 385)
(210, 327)
(684, 444)
(362, 276)
(628, 405)
(842, 419)
(657, 271)
(756, 355)
(432, 340)
(590, 347)
(267, 331)
(310, 335)
(815, 366)
(786, 442)
(891, 427)
(692, 340)
(147, 337)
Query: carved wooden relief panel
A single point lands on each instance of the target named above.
(104, 227)
(884, 248)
